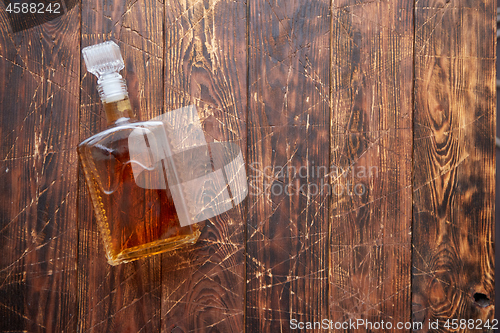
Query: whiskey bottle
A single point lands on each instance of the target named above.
(134, 220)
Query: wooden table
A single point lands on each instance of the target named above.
(390, 106)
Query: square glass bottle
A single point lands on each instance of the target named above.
(134, 221)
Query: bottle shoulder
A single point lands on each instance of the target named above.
(121, 131)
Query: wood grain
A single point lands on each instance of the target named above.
(454, 161)
(371, 140)
(287, 236)
(38, 172)
(205, 65)
(125, 298)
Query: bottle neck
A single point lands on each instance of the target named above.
(114, 96)
(119, 110)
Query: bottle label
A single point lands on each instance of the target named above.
(204, 179)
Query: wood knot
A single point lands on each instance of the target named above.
(481, 300)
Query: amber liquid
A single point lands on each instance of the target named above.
(134, 222)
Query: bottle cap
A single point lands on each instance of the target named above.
(105, 61)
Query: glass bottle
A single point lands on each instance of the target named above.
(134, 221)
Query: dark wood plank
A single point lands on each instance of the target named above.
(371, 140)
(125, 298)
(497, 182)
(38, 175)
(454, 161)
(287, 236)
(205, 65)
